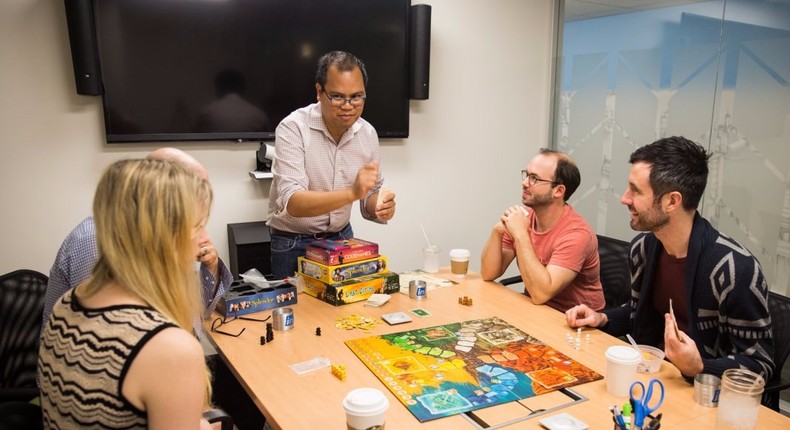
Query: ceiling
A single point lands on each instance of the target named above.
(585, 9)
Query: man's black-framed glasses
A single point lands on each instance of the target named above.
(340, 101)
(219, 322)
(533, 179)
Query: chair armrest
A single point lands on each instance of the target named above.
(777, 384)
(20, 394)
(216, 415)
(511, 280)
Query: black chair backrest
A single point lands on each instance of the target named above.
(21, 307)
(615, 272)
(779, 307)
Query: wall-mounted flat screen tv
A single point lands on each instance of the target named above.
(233, 69)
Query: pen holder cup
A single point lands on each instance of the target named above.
(651, 423)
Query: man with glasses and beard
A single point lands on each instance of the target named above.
(715, 286)
(555, 248)
(327, 158)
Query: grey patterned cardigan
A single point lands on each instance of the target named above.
(727, 301)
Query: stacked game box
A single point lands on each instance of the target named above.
(345, 271)
(334, 252)
(245, 298)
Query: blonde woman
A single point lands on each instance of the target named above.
(119, 350)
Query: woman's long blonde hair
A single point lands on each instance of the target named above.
(147, 214)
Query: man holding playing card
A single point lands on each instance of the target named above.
(682, 266)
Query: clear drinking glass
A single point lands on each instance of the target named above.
(430, 258)
(739, 400)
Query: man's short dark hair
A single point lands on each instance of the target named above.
(343, 61)
(676, 164)
(566, 173)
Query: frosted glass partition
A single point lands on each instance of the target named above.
(716, 72)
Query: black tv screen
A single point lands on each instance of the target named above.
(233, 69)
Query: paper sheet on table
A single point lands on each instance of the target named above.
(431, 281)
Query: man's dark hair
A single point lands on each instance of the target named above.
(566, 173)
(676, 164)
(343, 61)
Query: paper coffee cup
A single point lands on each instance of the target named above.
(459, 262)
(621, 364)
(366, 409)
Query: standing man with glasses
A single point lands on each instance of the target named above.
(555, 248)
(327, 158)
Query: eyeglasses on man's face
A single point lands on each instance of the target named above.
(219, 322)
(533, 179)
(356, 100)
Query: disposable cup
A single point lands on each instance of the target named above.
(621, 364)
(430, 258)
(459, 262)
(651, 359)
(366, 408)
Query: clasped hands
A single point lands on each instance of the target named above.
(513, 222)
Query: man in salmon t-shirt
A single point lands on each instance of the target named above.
(555, 248)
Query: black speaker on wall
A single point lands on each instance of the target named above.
(84, 51)
(420, 33)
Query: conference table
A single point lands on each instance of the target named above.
(314, 400)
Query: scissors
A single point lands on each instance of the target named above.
(641, 403)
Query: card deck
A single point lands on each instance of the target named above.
(674, 321)
(383, 191)
(420, 312)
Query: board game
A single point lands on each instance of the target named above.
(449, 369)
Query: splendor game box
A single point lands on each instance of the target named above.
(352, 291)
(342, 272)
(246, 298)
(334, 252)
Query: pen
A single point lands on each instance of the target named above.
(627, 416)
(617, 417)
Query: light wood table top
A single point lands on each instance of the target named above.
(314, 400)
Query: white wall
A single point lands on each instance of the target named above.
(487, 115)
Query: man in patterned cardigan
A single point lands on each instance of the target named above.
(716, 286)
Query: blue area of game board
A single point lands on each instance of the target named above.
(516, 386)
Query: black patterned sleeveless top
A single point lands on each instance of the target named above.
(84, 357)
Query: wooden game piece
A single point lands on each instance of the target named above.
(339, 370)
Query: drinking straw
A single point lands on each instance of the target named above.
(425, 235)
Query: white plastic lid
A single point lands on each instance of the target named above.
(365, 401)
(460, 253)
(623, 355)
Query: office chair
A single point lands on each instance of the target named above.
(217, 415)
(615, 271)
(22, 304)
(779, 307)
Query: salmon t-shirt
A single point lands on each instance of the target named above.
(571, 244)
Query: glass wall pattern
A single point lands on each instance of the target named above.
(716, 72)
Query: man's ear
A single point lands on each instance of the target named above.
(559, 191)
(672, 201)
(317, 92)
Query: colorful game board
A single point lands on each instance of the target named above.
(445, 370)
